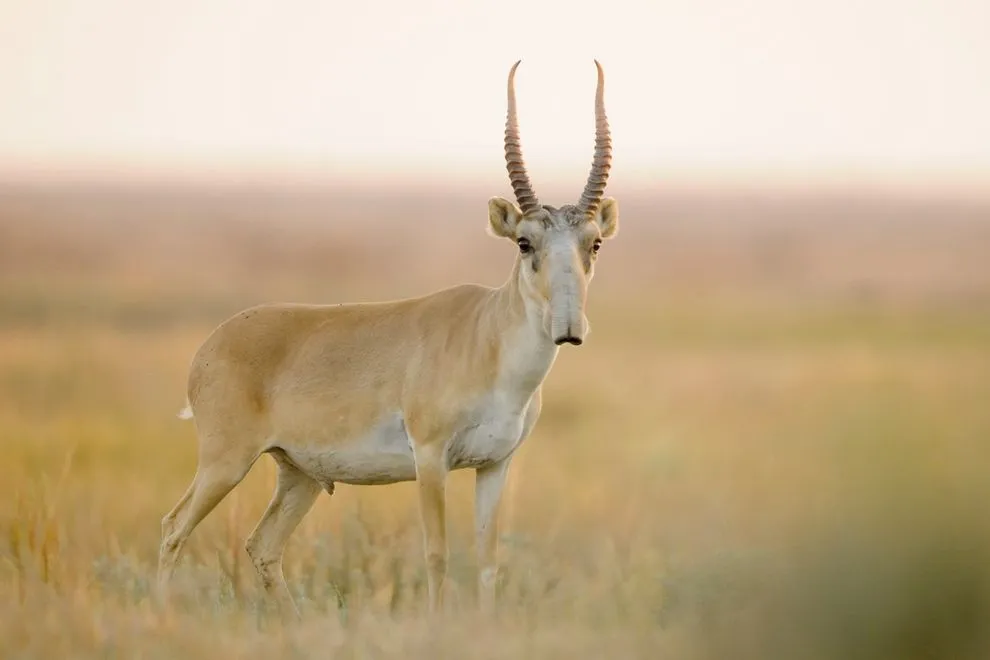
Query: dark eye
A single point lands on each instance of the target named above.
(524, 245)
(597, 245)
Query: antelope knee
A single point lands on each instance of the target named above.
(254, 550)
(436, 562)
(170, 545)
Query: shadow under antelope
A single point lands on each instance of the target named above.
(383, 392)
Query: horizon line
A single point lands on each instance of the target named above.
(973, 183)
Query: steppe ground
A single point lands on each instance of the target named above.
(775, 443)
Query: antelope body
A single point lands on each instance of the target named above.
(377, 393)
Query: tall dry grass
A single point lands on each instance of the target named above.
(774, 444)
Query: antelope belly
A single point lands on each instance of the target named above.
(382, 456)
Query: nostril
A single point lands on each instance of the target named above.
(567, 339)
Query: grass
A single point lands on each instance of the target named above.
(725, 476)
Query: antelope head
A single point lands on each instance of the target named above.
(558, 247)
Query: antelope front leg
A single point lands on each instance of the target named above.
(488, 486)
(431, 477)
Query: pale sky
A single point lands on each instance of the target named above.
(883, 88)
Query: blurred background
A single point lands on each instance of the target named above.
(773, 445)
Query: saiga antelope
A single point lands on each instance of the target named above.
(378, 393)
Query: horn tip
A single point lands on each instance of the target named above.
(512, 71)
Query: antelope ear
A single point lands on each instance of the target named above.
(607, 217)
(503, 216)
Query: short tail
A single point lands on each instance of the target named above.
(186, 413)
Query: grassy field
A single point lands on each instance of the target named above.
(775, 443)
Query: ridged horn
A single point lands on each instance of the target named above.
(594, 190)
(513, 154)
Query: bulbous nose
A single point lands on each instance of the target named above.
(567, 288)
